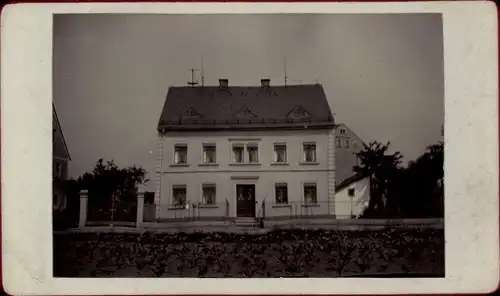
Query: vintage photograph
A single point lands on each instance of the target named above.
(248, 145)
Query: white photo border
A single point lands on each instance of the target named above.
(471, 154)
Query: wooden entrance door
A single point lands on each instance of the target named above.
(245, 200)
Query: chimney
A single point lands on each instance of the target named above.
(265, 82)
(223, 83)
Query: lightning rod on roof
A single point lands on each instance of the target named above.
(192, 82)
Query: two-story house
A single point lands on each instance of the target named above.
(237, 151)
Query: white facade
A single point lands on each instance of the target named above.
(353, 199)
(294, 173)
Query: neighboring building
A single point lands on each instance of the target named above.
(352, 197)
(347, 144)
(224, 151)
(60, 159)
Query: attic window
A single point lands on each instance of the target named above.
(298, 113)
(192, 114)
(342, 131)
(245, 113)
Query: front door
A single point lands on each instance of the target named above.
(245, 200)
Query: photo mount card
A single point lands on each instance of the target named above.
(216, 148)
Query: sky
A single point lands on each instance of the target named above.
(382, 73)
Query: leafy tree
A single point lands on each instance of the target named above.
(112, 191)
(107, 183)
(382, 167)
(423, 195)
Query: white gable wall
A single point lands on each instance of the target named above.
(358, 203)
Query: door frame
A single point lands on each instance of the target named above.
(240, 180)
(254, 199)
(253, 215)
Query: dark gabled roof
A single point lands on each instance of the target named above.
(59, 146)
(245, 107)
(349, 181)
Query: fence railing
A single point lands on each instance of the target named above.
(136, 213)
(192, 211)
(294, 210)
(117, 211)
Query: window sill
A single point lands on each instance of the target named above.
(179, 165)
(245, 164)
(208, 206)
(208, 165)
(279, 163)
(281, 206)
(173, 208)
(311, 205)
(309, 163)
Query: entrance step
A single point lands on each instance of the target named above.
(246, 222)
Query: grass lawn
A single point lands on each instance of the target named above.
(281, 253)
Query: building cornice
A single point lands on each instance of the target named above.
(246, 127)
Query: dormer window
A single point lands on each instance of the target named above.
(245, 113)
(299, 113)
(191, 113)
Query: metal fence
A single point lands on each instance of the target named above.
(125, 213)
(264, 210)
(111, 212)
(190, 211)
(292, 210)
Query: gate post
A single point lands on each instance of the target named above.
(83, 208)
(263, 209)
(140, 208)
